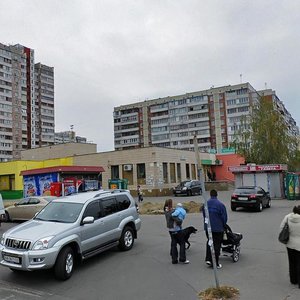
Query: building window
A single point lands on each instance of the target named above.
(178, 172)
(187, 171)
(193, 167)
(172, 173)
(127, 173)
(141, 173)
(115, 172)
(165, 172)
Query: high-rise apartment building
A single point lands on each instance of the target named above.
(68, 137)
(213, 116)
(44, 101)
(26, 102)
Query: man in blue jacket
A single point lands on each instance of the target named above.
(218, 219)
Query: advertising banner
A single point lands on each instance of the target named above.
(90, 185)
(44, 183)
(30, 186)
(38, 185)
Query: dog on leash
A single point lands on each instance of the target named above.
(187, 233)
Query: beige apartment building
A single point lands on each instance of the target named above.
(214, 115)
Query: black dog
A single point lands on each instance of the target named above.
(187, 233)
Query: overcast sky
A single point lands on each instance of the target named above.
(107, 53)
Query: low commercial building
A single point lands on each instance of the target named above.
(157, 170)
(269, 177)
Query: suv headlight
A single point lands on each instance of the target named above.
(184, 188)
(42, 243)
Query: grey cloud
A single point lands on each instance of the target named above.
(108, 53)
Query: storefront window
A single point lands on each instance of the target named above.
(141, 173)
(187, 170)
(172, 173)
(165, 172)
(178, 173)
(193, 167)
(115, 172)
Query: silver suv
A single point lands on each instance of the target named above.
(71, 229)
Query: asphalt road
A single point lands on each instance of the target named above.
(146, 271)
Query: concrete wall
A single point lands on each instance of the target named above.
(228, 160)
(58, 151)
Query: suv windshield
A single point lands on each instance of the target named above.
(65, 212)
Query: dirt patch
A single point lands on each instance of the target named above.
(221, 293)
(150, 208)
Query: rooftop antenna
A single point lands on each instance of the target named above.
(241, 78)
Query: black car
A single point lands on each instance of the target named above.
(188, 187)
(250, 197)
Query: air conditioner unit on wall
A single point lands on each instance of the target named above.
(127, 167)
(218, 162)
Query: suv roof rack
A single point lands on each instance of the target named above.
(118, 191)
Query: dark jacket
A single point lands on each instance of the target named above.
(217, 215)
(169, 219)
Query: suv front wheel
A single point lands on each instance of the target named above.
(64, 265)
(127, 239)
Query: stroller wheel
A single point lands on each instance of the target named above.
(236, 254)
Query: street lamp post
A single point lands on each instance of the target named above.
(206, 220)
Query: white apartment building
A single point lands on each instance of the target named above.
(68, 137)
(212, 115)
(23, 105)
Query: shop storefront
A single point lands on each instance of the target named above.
(269, 177)
(61, 180)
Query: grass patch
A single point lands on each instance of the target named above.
(151, 208)
(221, 293)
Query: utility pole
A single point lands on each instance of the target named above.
(206, 220)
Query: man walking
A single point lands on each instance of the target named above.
(218, 219)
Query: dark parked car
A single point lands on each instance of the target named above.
(188, 187)
(250, 197)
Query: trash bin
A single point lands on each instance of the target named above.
(118, 183)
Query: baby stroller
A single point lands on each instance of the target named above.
(231, 244)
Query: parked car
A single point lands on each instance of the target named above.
(71, 229)
(188, 187)
(26, 208)
(250, 197)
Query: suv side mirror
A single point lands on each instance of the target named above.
(88, 220)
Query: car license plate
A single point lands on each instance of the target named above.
(243, 198)
(12, 259)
